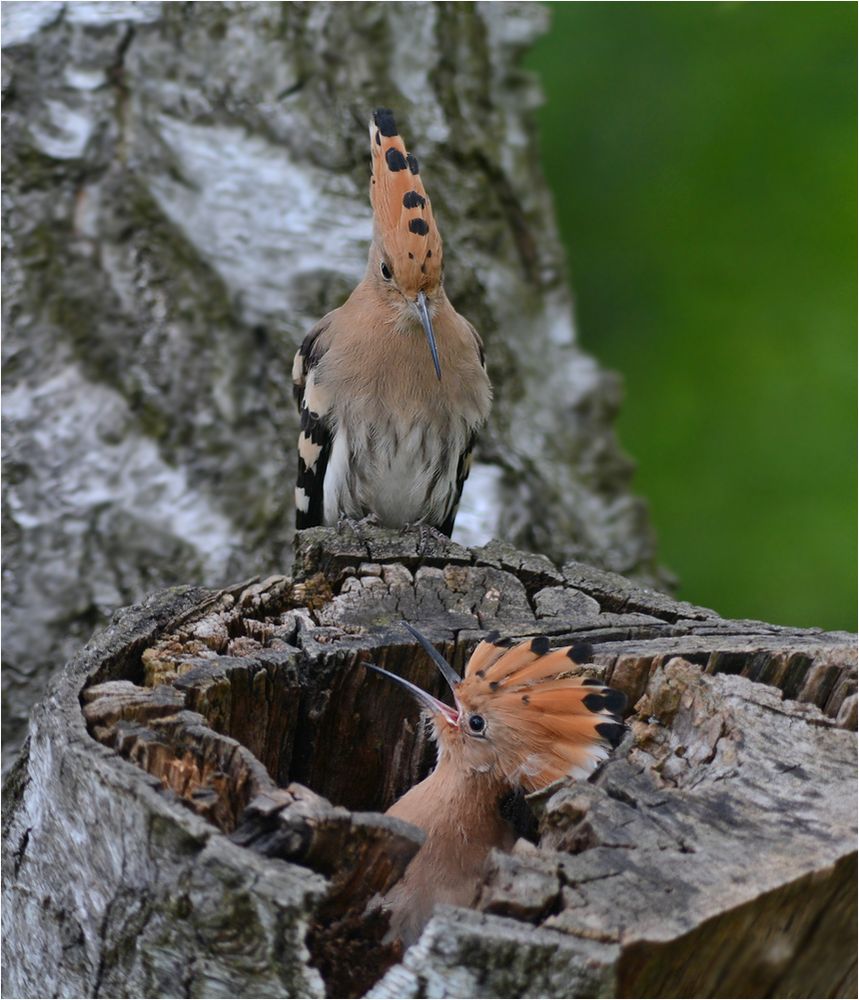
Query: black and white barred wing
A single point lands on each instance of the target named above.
(462, 470)
(314, 437)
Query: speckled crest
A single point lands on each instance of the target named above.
(545, 720)
(402, 214)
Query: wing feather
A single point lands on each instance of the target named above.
(314, 437)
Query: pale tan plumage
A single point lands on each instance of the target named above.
(523, 718)
(391, 387)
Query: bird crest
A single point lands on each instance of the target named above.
(403, 222)
(523, 710)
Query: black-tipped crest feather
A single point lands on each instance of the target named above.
(538, 711)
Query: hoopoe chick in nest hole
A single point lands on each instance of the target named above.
(391, 387)
(519, 722)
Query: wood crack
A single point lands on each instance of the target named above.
(252, 713)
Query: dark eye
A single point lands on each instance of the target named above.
(476, 723)
(386, 271)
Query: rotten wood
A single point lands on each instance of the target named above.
(216, 766)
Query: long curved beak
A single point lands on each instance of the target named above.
(426, 322)
(426, 700)
(444, 668)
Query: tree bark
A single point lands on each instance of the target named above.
(185, 195)
(198, 808)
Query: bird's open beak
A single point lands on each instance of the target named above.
(448, 712)
(444, 668)
(426, 322)
(435, 706)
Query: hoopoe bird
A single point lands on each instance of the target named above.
(387, 426)
(519, 721)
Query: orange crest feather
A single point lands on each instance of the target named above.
(403, 221)
(552, 724)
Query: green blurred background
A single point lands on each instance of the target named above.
(703, 162)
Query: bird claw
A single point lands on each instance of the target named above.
(356, 526)
(427, 534)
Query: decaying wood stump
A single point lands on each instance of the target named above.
(197, 811)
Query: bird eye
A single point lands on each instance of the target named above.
(476, 723)
(386, 271)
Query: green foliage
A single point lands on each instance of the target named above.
(703, 162)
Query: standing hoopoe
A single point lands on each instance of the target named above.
(387, 426)
(519, 722)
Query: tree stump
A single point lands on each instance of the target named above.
(197, 810)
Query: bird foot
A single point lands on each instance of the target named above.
(356, 526)
(427, 535)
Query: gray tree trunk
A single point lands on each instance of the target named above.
(197, 809)
(185, 195)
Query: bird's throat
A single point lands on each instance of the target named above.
(455, 801)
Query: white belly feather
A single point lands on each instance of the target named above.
(402, 474)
